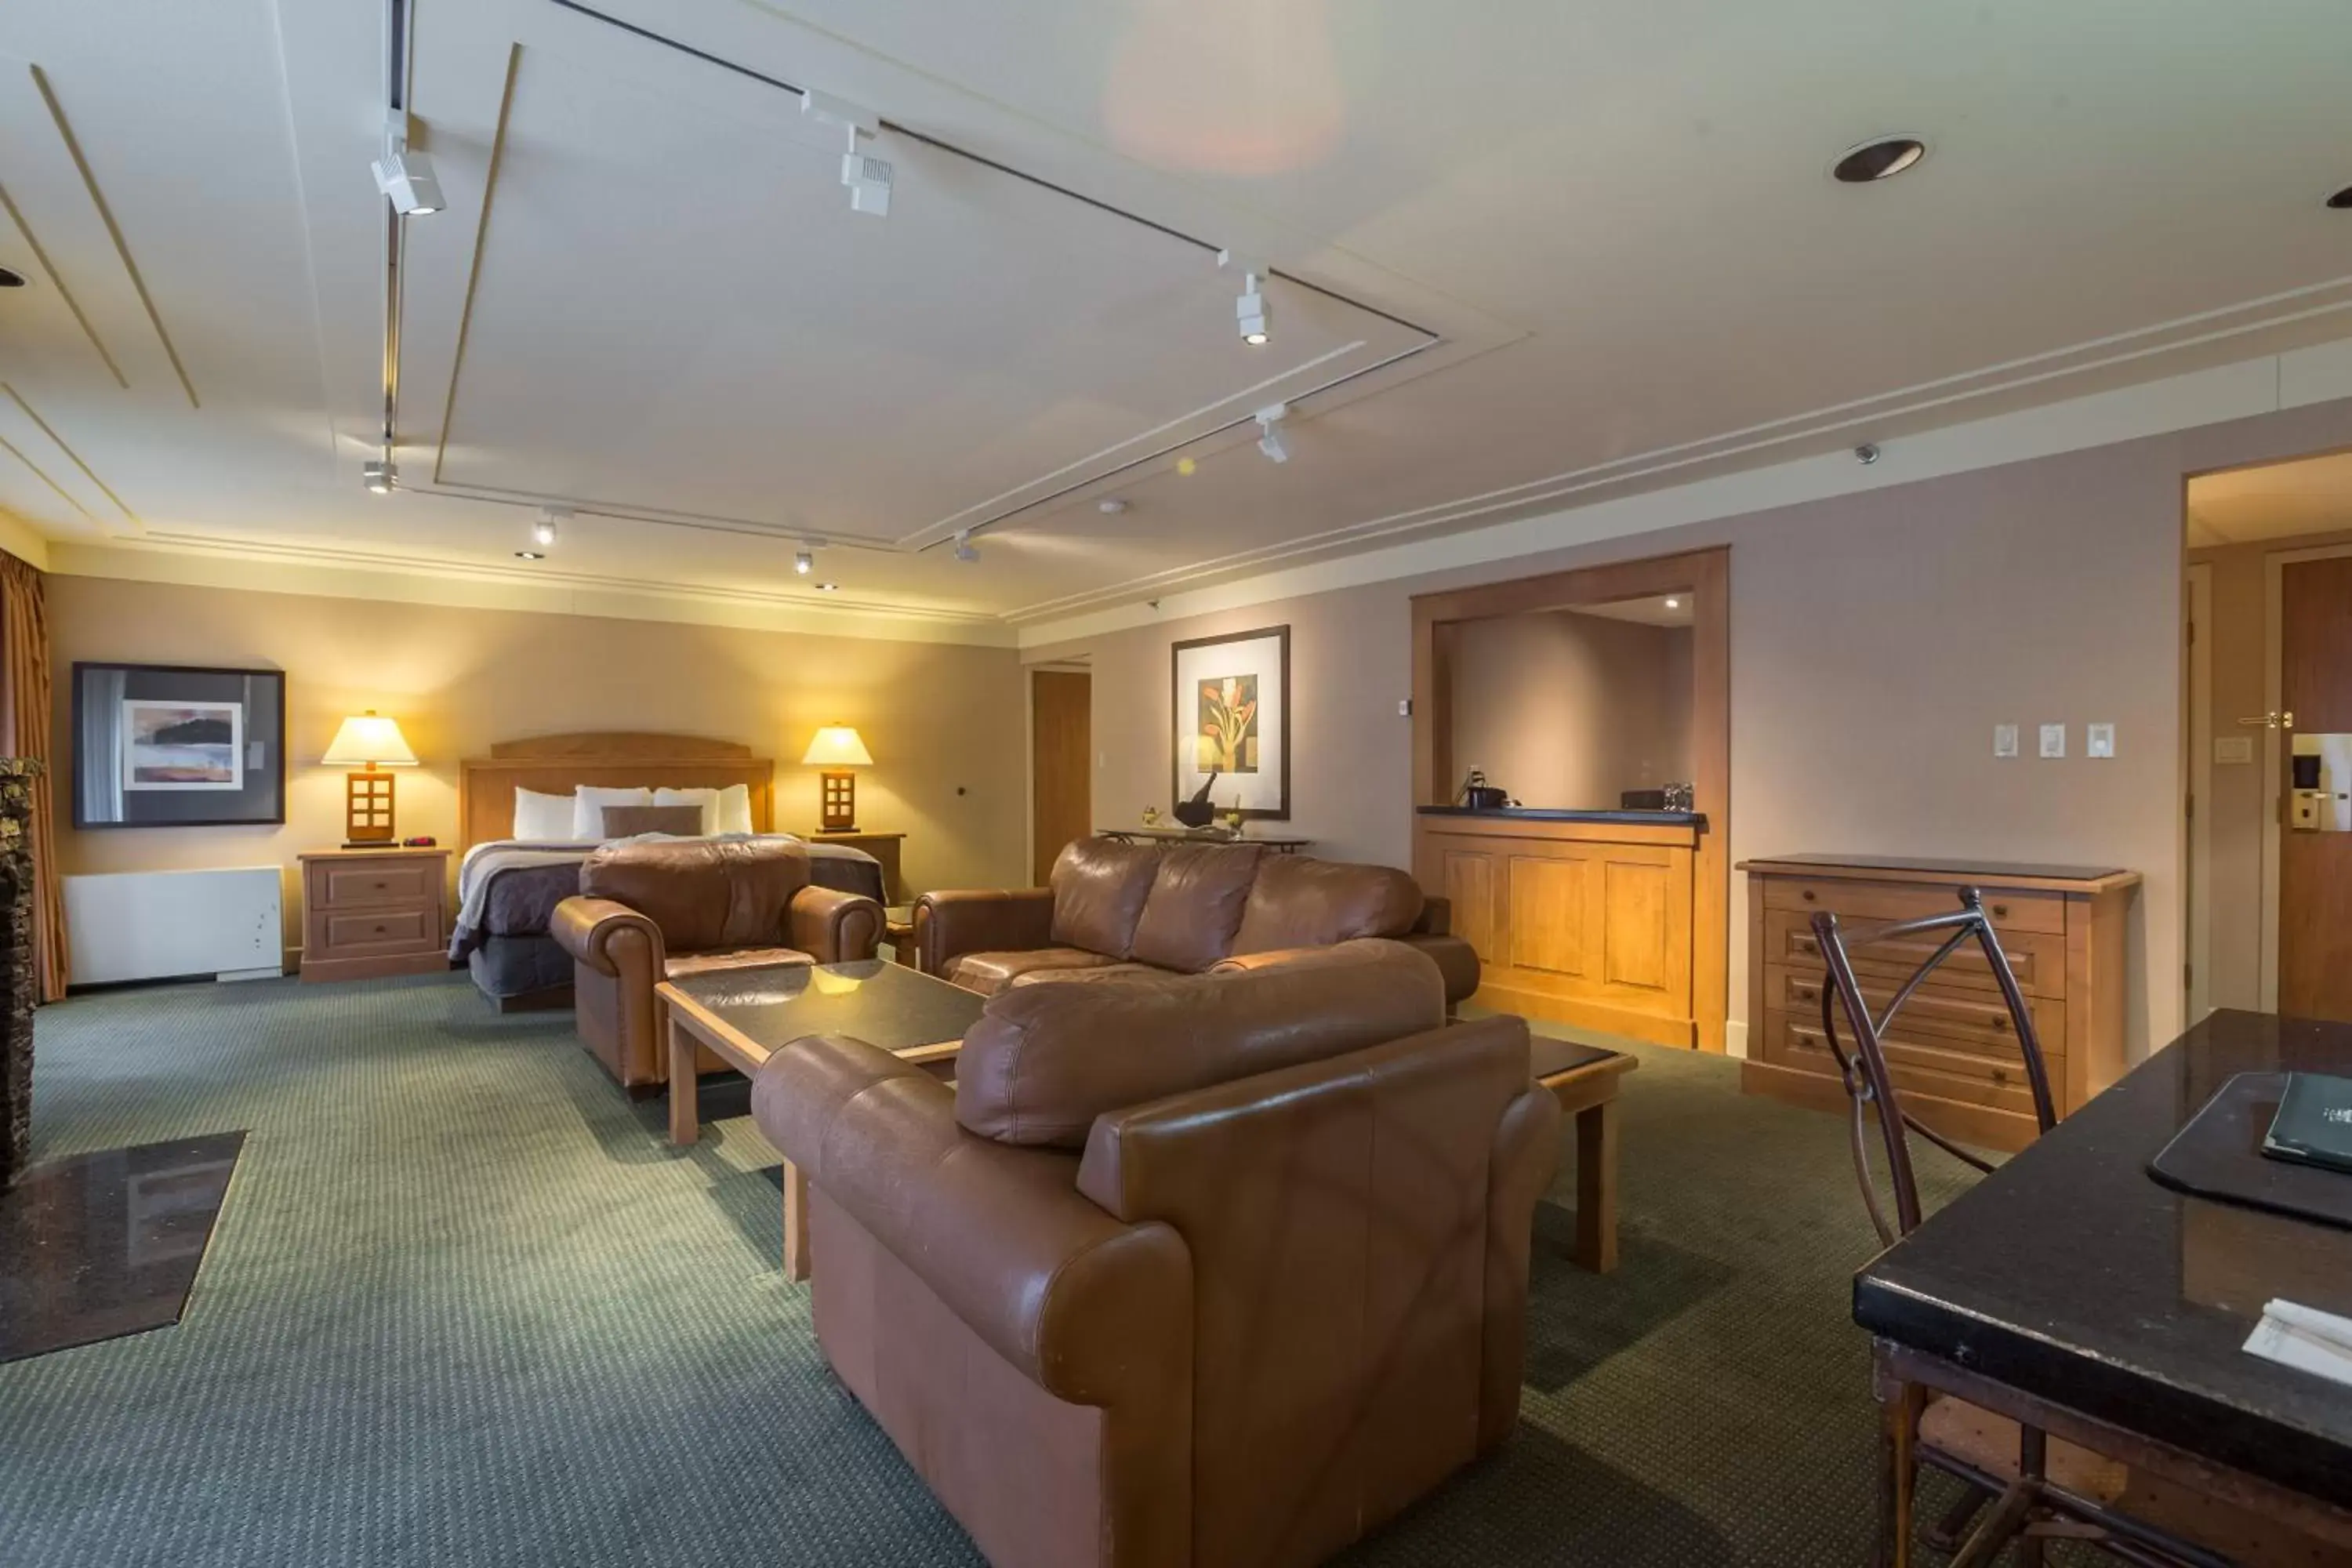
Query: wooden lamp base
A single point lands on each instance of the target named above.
(367, 810)
(837, 801)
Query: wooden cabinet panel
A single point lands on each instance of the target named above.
(368, 886)
(1636, 939)
(1953, 1052)
(1552, 916)
(1468, 880)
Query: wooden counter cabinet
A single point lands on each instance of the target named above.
(367, 913)
(1953, 1052)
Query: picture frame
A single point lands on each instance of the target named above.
(1230, 714)
(169, 745)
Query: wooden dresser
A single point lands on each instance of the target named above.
(373, 912)
(1953, 1052)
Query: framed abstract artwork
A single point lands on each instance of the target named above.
(1233, 722)
(158, 745)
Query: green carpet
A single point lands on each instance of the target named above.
(465, 1307)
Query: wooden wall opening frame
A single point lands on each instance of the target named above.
(558, 764)
(1483, 904)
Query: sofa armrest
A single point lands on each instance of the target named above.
(608, 937)
(1094, 1311)
(834, 927)
(950, 925)
(1455, 959)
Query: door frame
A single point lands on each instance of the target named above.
(2198, 806)
(2275, 565)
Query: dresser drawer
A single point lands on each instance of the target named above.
(1917, 1064)
(1855, 901)
(339, 886)
(1960, 1014)
(2038, 958)
(385, 931)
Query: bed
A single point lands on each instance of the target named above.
(508, 887)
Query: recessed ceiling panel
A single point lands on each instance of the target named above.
(677, 310)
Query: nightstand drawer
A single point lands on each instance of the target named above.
(348, 935)
(338, 886)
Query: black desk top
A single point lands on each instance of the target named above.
(2069, 1274)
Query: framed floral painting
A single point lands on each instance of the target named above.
(1233, 722)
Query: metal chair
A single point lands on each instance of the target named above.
(2055, 1491)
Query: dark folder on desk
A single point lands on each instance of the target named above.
(2313, 1124)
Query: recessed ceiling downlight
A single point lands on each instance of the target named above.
(1879, 159)
(2341, 201)
(11, 278)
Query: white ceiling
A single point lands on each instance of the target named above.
(1552, 252)
(2279, 501)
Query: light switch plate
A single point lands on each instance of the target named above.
(2004, 740)
(2099, 740)
(2234, 751)
(1404, 708)
(2053, 740)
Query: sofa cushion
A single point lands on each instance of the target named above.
(681, 965)
(1044, 1060)
(1131, 973)
(1299, 902)
(703, 893)
(1099, 892)
(990, 972)
(1195, 905)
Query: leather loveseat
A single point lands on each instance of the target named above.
(1224, 1270)
(1139, 911)
(655, 909)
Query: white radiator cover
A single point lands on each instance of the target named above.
(158, 925)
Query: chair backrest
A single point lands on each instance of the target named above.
(703, 893)
(1867, 1079)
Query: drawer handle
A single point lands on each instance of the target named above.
(1806, 944)
(1806, 993)
(1999, 1024)
(1808, 895)
(2000, 911)
(2001, 1075)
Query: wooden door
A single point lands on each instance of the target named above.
(1061, 751)
(2314, 868)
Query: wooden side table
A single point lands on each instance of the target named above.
(1584, 1079)
(367, 913)
(883, 847)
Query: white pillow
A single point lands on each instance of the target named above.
(588, 804)
(707, 799)
(542, 818)
(734, 810)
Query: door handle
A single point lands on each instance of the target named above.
(2270, 721)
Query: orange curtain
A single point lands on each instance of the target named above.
(25, 733)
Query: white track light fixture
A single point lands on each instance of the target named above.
(404, 176)
(551, 520)
(804, 563)
(1252, 315)
(966, 550)
(379, 478)
(866, 178)
(1269, 432)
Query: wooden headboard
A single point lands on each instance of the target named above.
(557, 765)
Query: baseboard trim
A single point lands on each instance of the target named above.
(1734, 1038)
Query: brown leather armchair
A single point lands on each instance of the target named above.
(1214, 1272)
(1139, 911)
(650, 911)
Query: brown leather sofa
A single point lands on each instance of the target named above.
(1136, 912)
(1226, 1270)
(652, 910)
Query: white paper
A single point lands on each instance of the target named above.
(2305, 1339)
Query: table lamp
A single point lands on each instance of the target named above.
(837, 749)
(368, 743)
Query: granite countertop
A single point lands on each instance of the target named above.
(1565, 814)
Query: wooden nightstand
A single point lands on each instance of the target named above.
(883, 847)
(373, 912)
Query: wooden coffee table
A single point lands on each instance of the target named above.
(746, 1015)
(1584, 1079)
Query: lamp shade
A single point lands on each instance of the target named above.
(367, 740)
(837, 746)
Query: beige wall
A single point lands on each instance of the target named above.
(2236, 807)
(944, 722)
(1876, 639)
(1569, 709)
